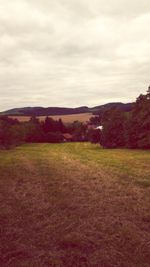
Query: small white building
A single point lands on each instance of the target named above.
(99, 128)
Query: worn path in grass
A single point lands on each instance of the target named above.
(74, 205)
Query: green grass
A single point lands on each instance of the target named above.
(74, 204)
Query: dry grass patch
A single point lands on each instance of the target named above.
(59, 208)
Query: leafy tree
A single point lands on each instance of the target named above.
(138, 130)
(9, 132)
(113, 129)
(52, 137)
(79, 131)
(48, 125)
(96, 120)
(33, 131)
(94, 136)
(61, 126)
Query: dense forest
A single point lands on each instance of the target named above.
(120, 128)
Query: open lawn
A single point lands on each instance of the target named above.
(74, 204)
(82, 117)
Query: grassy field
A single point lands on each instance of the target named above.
(82, 117)
(74, 204)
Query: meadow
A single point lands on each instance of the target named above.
(74, 204)
(82, 117)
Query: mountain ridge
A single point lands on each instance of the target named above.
(50, 111)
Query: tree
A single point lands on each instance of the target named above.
(113, 129)
(78, 130)
(48, 125)
(54, 137)
(95, 120)
(94, 136)
(9, 135)
(61, 126)
(138, 130)
(33, 131)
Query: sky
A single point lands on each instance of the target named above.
(73, 52)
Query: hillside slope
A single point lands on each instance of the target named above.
(50, 111)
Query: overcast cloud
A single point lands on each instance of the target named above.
(73, 52)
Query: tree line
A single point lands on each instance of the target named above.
(119, 128)
(126, 129)
(13, 132)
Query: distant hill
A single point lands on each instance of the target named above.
(123, 107)
(50, 111)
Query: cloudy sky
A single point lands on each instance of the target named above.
(73, 52)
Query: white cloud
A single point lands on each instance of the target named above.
(73, 52)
